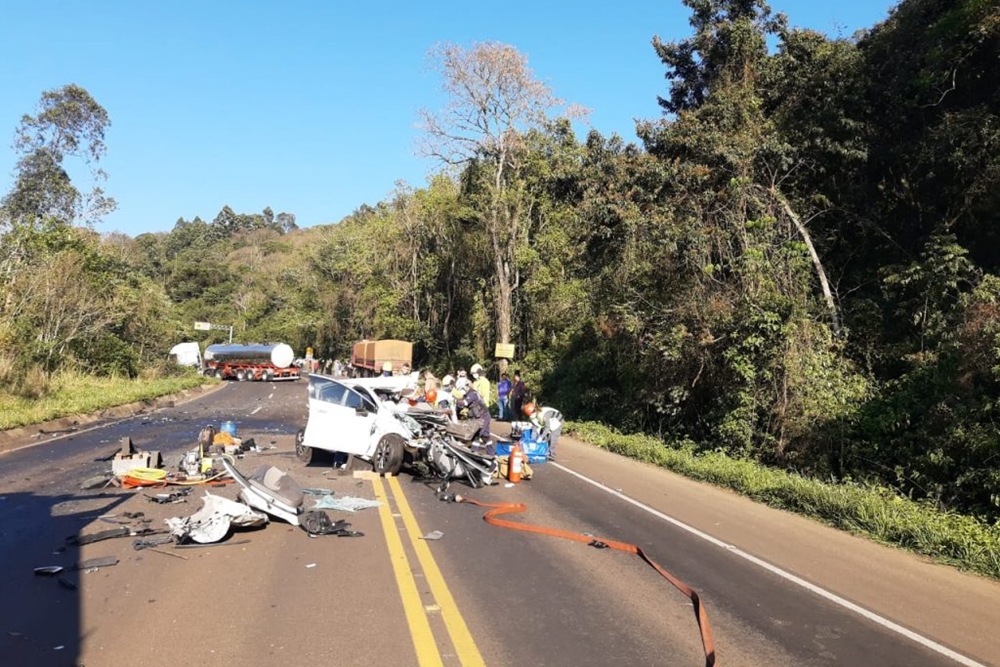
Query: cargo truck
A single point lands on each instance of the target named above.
(370, 357)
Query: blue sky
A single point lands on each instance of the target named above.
(311, 107)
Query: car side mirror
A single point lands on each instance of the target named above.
(360, 411)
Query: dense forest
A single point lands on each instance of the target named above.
(797, 263)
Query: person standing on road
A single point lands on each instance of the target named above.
(481, 384)
(517, 393)
(503, 390)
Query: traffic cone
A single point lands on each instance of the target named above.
(515, 464)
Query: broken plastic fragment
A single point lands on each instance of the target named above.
(211, 523)
(433, 535)
(345, 503)
(48, 570)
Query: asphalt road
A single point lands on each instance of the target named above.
(778, 589)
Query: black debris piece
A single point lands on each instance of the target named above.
(80, 540)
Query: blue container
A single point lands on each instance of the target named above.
(536, 451)
(229, 427)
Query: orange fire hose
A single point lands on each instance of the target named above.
(707, 642)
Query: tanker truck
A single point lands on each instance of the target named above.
(235, 361)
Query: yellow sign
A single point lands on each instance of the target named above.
(504, 351)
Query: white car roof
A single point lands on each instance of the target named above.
(392, 383)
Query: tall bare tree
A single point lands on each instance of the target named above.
(494, 99)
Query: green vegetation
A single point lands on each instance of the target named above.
(69, 394)
(874, 512)
(796, 266)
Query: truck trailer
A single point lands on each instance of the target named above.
(369, 357)
(240, 362)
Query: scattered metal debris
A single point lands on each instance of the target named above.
(231, 543)
(80, 540)
(93, 564)
(212, 522)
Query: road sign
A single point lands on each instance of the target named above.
(504, 351)
(208, 326)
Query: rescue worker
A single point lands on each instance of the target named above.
(481, 383)
(548, 424)
(387, 369)
(462, 382)
(446, 397)
(478, 411)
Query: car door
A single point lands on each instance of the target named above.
(359, 428)
(328, 416)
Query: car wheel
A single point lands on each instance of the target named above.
(240, 375)
(388, 456)
(268, 375)
(302, 453)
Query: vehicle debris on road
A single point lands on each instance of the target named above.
(213, 521)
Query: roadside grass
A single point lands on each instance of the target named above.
(75, 394)
(878, 513)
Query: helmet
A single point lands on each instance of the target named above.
(387, 366)
(476, 369)
(447, 380)
(431, 396)
(528, 409)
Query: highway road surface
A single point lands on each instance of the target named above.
(779, 590)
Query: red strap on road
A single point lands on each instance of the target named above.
(497, 509)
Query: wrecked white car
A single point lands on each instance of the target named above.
(360, 418)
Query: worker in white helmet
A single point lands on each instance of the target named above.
(446, 397)
(387, 369)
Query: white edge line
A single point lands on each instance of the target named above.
(823, 593)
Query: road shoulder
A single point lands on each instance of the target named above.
(935, 600)
(16, 438)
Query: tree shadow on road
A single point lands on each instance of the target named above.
(40, 618)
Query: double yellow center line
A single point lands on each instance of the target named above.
(428, 652)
